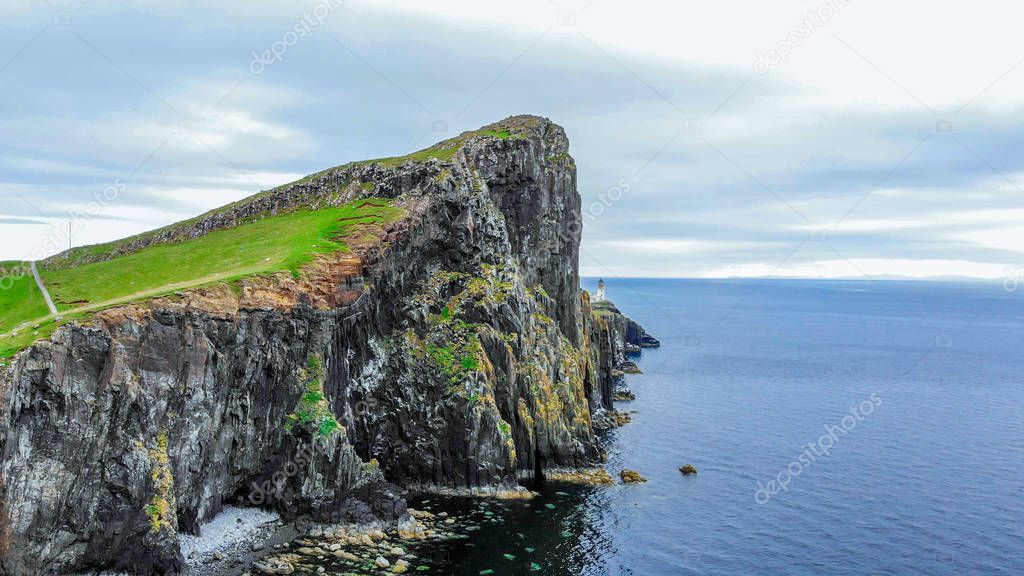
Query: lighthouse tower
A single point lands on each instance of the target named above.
(600, 291)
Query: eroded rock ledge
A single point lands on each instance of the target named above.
(456, 351)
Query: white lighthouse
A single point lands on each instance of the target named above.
(600, 291)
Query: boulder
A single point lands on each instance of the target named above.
(631, 477)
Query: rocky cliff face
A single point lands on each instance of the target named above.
(634, 335)
(452, 350)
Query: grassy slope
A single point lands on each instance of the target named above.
(20, 299)
(275, 244)
(270, 245)
(444, 151)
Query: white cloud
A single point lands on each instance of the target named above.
(671, 246)
(895, 38)
(819, 131)
(1007, 238)
(860, 268)
(869, 225)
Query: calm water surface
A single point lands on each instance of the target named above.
(931, 481)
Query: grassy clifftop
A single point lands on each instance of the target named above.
(270, 245)
(20, 298)
(277, 230)
(327, 187)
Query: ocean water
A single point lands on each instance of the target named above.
(922, 473)
(931, 481)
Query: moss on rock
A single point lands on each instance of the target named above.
(313, 410)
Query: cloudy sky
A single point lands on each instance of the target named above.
(798, 138)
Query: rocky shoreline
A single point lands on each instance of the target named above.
(265, 545)
(234, 540)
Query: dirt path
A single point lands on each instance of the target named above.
(42, 288)
(161, 291)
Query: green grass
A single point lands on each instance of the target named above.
(281, 243)
(499, 134)
(11, 345)
(445, 150)
(83, 254)
(274, 244)
(20, 299)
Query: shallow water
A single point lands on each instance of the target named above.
(930, 480)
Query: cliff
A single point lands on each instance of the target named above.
(634, 334)
(448, 349)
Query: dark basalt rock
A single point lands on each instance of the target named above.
(469, 359)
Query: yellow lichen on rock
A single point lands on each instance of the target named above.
(584, 476)
(161, 508)
(631, 477)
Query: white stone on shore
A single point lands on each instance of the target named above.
(233, 526)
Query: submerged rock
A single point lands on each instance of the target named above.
(688, 469)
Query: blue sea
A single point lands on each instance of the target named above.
(930, 481)
(839, 427)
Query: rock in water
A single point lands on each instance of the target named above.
(624, 395)
(631, 477)
(688, 469)
(630, 367)
(139, 422)
(585, 477)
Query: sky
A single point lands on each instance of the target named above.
(833, 139)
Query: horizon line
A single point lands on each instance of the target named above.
(972, 279)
